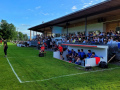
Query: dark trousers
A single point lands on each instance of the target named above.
(38, 46)
(5, 51)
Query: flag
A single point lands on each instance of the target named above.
(97, 60)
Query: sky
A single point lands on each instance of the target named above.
(28, 13)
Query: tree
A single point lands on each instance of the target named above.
(20, 34)
(4, 29)
(12, 31)
(8, 31)
(25, 37)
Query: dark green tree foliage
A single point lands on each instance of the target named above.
(20, 35)
(12, 32)
(3, 29)
(8, 31)
(25, 37)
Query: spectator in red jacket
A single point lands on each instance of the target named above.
(61, 52)
(42, 49)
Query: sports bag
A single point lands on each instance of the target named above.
(41, 54)
(103, 64)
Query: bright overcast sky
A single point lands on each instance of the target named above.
(27, 13)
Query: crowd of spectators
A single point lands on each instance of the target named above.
(101, 38)
(42, 38)
(110, 37)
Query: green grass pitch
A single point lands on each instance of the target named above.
(47, 73)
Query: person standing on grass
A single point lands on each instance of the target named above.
(5, 47)
(60, 48)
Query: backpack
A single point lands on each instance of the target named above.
(103, 64)
(41, 54)
(88, 68)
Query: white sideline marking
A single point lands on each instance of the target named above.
(22, 57)
(55, 77)
(69, 75)
(14, 71)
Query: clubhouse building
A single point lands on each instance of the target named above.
(101, 17)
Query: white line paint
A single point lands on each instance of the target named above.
(14, 71)
(22, 57)
(70, 75)
(55, 77)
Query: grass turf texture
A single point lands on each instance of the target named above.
(30, 67)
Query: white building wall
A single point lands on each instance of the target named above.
(90, 27)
